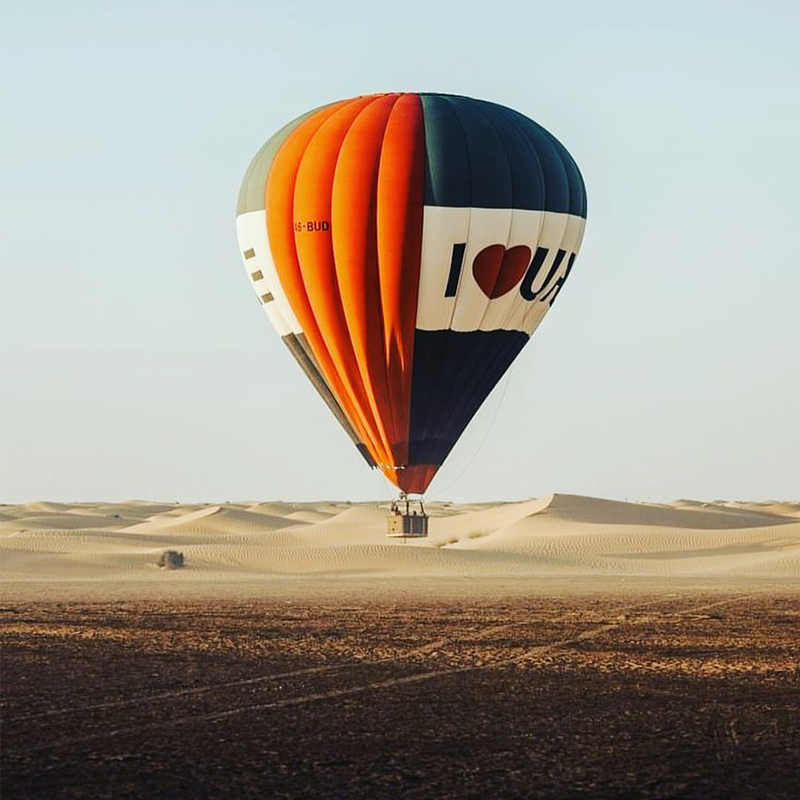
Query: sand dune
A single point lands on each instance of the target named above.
(557, 535)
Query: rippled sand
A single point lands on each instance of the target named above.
(558, 535)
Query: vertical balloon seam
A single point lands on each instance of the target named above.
(276, 140)
(320, 351)
(491, 124)
(537, 311)
(568, 268)
(418, 421)
(531, 149)
(513, 203)
(517, 309)
(575, 171)
(303, 337)
(396, 424)
(417, 281)
(353, 381)
(404, 266)
(482, 365)
(401, 417)
(300, 351)
(323, 389)
(253, 185)
(559, 150)
(535, 314)
(439, 388)
(514, 344)
(328, 110)
(347, 321)
(393, 432)
(359, 411)
(526, 126)
(365, 368)
(361, 359)
(344, 360)
(453, 337)
(366, 437)
(313, 335)
(363, 412)
(511, 348)
(497, 358)
(439, 410)
(471, 401)
(399, 431)
(252, 188)
(484, 371)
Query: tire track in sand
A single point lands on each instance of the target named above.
(327, 668)
(333, 694)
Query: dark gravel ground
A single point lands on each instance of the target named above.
(647, 696)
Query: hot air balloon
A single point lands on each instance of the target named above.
(405, 247)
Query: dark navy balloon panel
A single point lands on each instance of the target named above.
(454, 373)
(483, 155)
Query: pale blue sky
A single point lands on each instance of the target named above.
(137, 363)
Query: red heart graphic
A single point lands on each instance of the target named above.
(498, 270)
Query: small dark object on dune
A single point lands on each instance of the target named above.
(170, 559)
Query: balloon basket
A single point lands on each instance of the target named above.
(407, 519)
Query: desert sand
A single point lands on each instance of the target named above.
(558, 535)
(563, 647)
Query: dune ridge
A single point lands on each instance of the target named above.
(559, 534)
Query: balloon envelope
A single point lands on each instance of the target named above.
(405, 247)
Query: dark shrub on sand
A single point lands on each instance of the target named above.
(170, 559)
